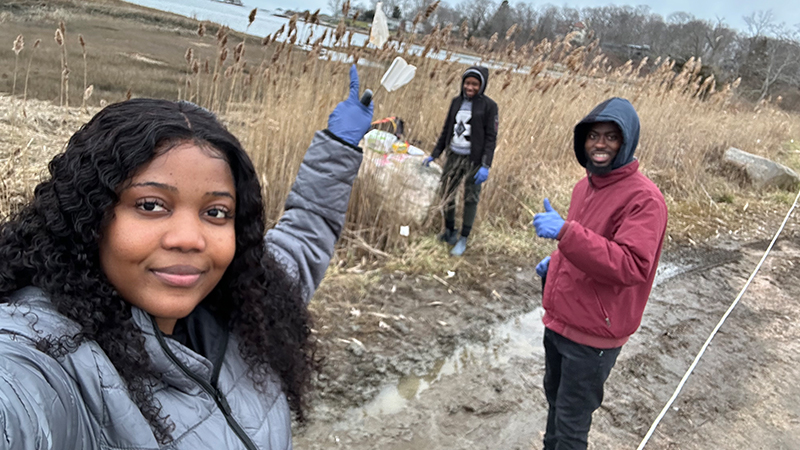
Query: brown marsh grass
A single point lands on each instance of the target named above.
(274, 96)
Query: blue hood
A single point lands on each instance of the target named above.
(619, 111)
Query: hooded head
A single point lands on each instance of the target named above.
(479, 73)
(619, 112)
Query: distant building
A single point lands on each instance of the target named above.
(637, 51)
(580, 33)
(628, 51)
(392, 24)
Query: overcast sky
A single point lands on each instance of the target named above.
(731, 11)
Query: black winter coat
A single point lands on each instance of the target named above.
(484, 122)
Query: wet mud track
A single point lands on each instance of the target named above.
(461, 368)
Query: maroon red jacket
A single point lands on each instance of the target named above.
(600, 276)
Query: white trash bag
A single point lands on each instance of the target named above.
(380, 29)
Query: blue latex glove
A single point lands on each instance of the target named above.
(482, 175)
(427, 161)
(351, 120)
(548, 224)
(541, 268)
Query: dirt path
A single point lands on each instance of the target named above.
(475, 382)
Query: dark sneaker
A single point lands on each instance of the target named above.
(460, 247)
(449, 236)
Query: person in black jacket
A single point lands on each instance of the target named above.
(469, 135)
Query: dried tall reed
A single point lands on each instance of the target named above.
(86, 92)
(27, 76)
(276, 103)
(542, 91)
(19, 44)
(59, 38)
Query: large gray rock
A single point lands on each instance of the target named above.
(761, 172)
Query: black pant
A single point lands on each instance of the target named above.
(459, 168)
(573, 383)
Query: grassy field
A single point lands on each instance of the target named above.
(128, 49)
(275, 96)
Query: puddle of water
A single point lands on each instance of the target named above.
(520, 337)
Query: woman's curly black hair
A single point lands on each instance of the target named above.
(53, 244)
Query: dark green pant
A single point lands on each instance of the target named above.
(459, 168)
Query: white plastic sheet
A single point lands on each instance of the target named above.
(398, 75)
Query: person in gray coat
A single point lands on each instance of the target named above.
(142, 306)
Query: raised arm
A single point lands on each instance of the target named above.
(315, 210)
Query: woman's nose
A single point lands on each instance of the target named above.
(184, 232)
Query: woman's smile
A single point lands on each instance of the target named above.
(182, 276)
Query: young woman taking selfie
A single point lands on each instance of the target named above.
(142, 305)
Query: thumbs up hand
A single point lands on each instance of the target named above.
(548, 224)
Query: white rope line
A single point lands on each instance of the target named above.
(713, 333)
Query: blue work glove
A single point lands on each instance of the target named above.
(482, 175)
(427, 161)
(351, 120)
(548, 224)
(541, 268)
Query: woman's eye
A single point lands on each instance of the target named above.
(150, 205)
(218, 213)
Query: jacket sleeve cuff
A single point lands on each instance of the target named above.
(338, 139)
(563, 230)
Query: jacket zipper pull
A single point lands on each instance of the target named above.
(608, 322)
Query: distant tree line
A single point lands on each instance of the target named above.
(766, 55)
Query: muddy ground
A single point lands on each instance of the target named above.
(431, 363)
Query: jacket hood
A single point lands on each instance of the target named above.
(482, 73)
(616, 110)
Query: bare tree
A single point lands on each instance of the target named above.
(389, 6)
(720, 44)
(780, 58)
(618, 24)
(335, 7)
(476, 12)
(759, 23)
(525, 16)
(547, 23)
(500, 21)
(773, 55)
(445, 15)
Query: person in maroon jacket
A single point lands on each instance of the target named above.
(599, 278)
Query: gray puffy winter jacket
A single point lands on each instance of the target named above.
(79, 401)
